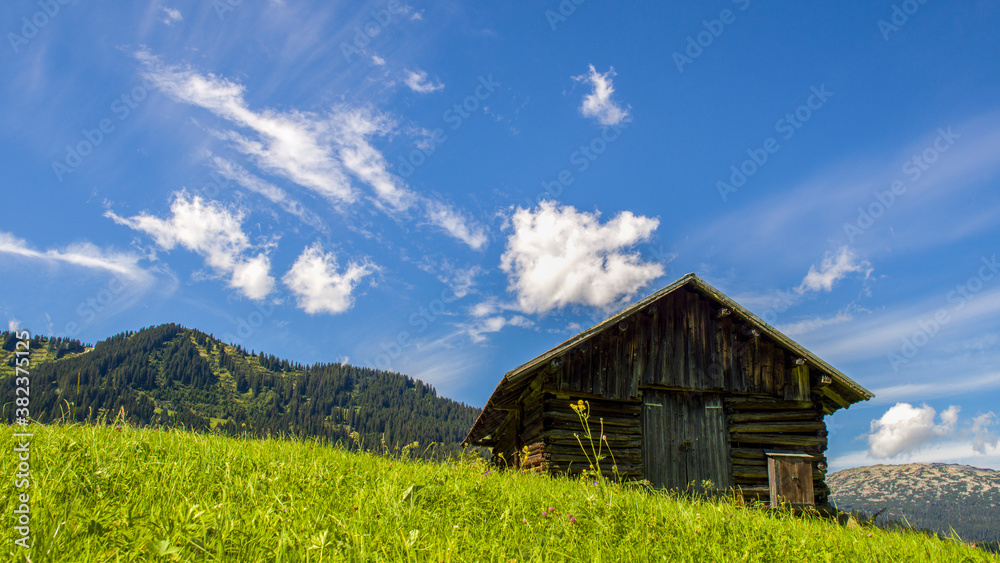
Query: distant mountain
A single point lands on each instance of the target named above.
(170, 375)
(933, 496)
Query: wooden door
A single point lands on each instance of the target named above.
(684, 439)
(790, 479)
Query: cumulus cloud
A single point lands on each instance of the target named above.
(599, 104)
(905, 429)
(419, 82)
(378, 61)
(558, 256)
(84, 254)
(13, 325)
(833, 269)
(215, 233)
(319, 285)
(319, 152)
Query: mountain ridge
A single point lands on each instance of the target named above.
(933, 496)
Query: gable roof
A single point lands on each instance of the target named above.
(515, 379)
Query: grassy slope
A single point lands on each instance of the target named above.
(101, 494)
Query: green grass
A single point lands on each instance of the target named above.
(101, 494)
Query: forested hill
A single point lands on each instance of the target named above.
(170, 375)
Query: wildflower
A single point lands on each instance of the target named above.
(572, 520)
(544, 514)
(524, 520)
(487, 472)
(552, 509)
(118, 427)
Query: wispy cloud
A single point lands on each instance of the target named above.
(599, 104)
(807, 326)
(315, 151)
(419, 82)
(477, 329)
(85, 255)
(213, 232)
(319, 285)
(881, 333)
(236, 173)
(557, 256)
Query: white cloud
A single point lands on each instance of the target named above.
(171, 16)
(315, 151)
(215, 233)
(84, 254)
(833, 269)
(13, 325)
(318, 284)
(598, 104)
(419, 82)
(558, 256)
(379, 61)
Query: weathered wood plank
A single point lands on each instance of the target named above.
(772, 416)
(774, 427)
(780, 439)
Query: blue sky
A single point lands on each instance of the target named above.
(448, 190)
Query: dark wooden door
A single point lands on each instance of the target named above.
(790, 479)
(684, 439)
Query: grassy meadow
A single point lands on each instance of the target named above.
(100, 493)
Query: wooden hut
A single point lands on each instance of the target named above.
(691, 387)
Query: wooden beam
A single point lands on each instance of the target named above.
(775, 427)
